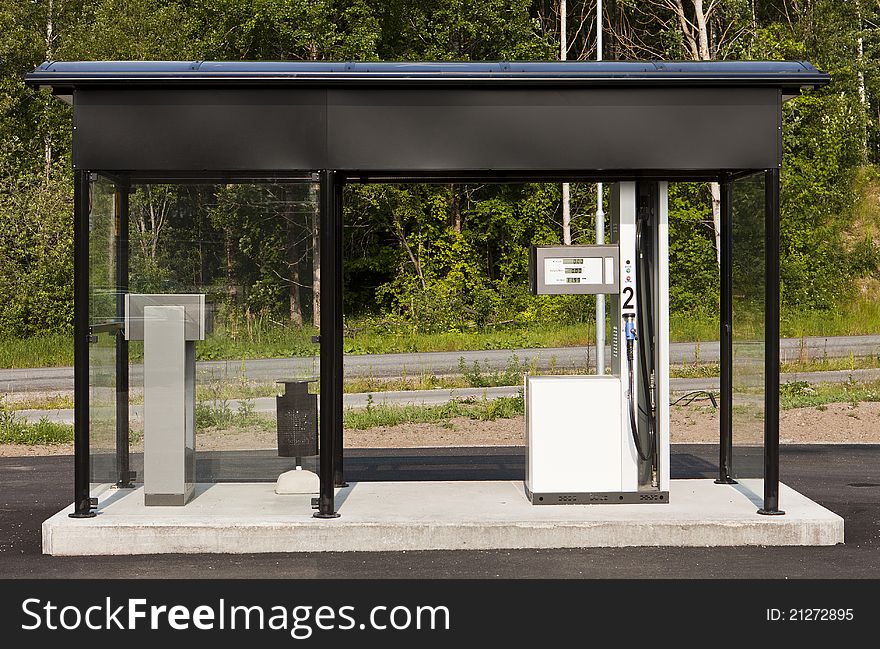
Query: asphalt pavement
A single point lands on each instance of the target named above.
(844, 478)
(444, 363)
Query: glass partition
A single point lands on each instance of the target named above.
(246, 253)
(748, 286)
(102, 323)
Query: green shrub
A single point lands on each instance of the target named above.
(14, 429)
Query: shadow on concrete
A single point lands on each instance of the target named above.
(438, 463)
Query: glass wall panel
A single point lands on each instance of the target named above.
(102, 320)
(247, 251)
(749, 282)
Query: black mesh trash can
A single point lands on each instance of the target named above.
(297, 413)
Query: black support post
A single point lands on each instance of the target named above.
(331, 340)
(82, 506)
(771, 344)
(123, 480)
(725, 442)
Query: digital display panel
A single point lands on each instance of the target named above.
(573, 270)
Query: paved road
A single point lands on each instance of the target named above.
(440, 363)
(844, 478)
(434, 397)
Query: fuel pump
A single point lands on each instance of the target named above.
(605, 439)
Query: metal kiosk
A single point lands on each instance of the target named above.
(169, 325)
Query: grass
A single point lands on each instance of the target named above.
(274, 341)
(511, 337)
(431, 382)
(832, 364)
(859, 317)
(692, 328)
(55, 350)
(217, 392)
(797, 394)
(16, 430)
(47, 402)
(267, 341)
(707, 370)
(213, 409)
(48, 350)
(219, 414)
(800, 394)
(388, 415)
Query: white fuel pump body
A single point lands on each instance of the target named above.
(580, 414)
(581, 447)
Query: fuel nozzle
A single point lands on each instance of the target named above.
(629, 332)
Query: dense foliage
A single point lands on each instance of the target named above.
(438, 257)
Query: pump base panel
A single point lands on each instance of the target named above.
(169, 500)
(599, 498)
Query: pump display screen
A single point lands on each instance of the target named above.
(573, 270)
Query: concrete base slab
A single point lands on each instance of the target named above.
(394, 516)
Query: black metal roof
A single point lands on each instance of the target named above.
(790, 76)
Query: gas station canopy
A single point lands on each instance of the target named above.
(338, 123)
(612, 119)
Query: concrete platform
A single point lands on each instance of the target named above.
(393, 516)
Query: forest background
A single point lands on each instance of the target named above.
(431, 266)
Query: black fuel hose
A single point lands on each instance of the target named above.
(634, 427)
(644, 268)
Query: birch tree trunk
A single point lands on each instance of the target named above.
(716, 219)
(47, 136)
(293, 257)
(230, 268)
(696, 38)
(566, 214)
(455, 209)
(566, 188)
(705, 55)
(860, 66)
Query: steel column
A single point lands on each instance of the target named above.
(122, 379)
(331, 339)
(771, 344)
(82, 503)
(725, 442)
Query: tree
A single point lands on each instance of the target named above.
(462, 30)
(430, 257)
(700, 30)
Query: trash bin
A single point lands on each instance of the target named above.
(297, 413)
